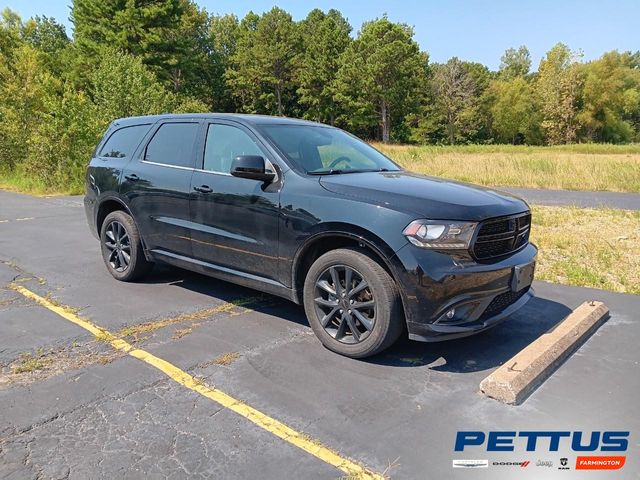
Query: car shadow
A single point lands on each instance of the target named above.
(483, 351)
(227, 292)
(476, 353)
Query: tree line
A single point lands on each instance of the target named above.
(58, 94)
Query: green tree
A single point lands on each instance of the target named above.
(223, 39)
(325, 36)
(379, 75)
(515, 63)
(140, 27)
(427, 124)
(10, 32)
(611, 98)
(45, 34)
(263, 65)
(191, 62)
(50, 39)
(513, 111)
(455, 97)
(62, 142)
(558, 89)
(123, 87)
(24, 84)
(477, 121)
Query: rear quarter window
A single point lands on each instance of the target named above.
(123, 142)
(172, 144)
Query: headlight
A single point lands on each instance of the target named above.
(439, 234)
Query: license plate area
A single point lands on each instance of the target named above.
(522, 276)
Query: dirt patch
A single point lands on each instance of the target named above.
(225, 359)
(43, 363)
(181, 332)
(137, 333)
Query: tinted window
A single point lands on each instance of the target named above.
(224, 143)
(320, 150)
(172, 144)
(123, 142)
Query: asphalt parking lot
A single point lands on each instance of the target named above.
(95, 412)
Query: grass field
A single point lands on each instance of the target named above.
(594, 167)
(597, 248)
(16, 183)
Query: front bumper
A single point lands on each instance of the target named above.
(481, 295)
(437, 333)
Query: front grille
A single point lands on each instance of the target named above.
(501, 302)
(501, 236)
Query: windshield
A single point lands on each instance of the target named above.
(324, 150)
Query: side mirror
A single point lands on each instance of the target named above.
(251, 166)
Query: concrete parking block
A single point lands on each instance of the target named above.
(519, 376)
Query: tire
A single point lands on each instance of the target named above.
(119, 239)
(378, 326)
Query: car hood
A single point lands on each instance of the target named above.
(429, 197)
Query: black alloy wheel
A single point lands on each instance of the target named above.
(119, 245)
(352, 303)
(122, 249)
(345, 304)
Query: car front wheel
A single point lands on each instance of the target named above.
(352, 303)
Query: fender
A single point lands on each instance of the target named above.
(107, 197)
(352, 232)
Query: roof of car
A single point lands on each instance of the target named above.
(239, 117)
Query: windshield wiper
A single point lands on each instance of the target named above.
(340, 172)
(326, 172)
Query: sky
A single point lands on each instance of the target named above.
(473, 30)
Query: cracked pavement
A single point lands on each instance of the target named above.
(156, 431)
(84, 418)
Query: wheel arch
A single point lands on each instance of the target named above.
(106, 206)
(336, 236)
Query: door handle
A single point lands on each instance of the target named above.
(203, 189)
(133, 177)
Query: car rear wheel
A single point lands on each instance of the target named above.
(122, 250)
(352, 303)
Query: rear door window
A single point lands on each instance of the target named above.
(123, 141)
(172, 144)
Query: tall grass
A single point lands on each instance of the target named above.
(16, 182)
(597, 167)
(587, 247)
(601, 148)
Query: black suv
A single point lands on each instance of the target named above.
(310, 213)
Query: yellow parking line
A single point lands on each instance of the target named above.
(260, 419)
